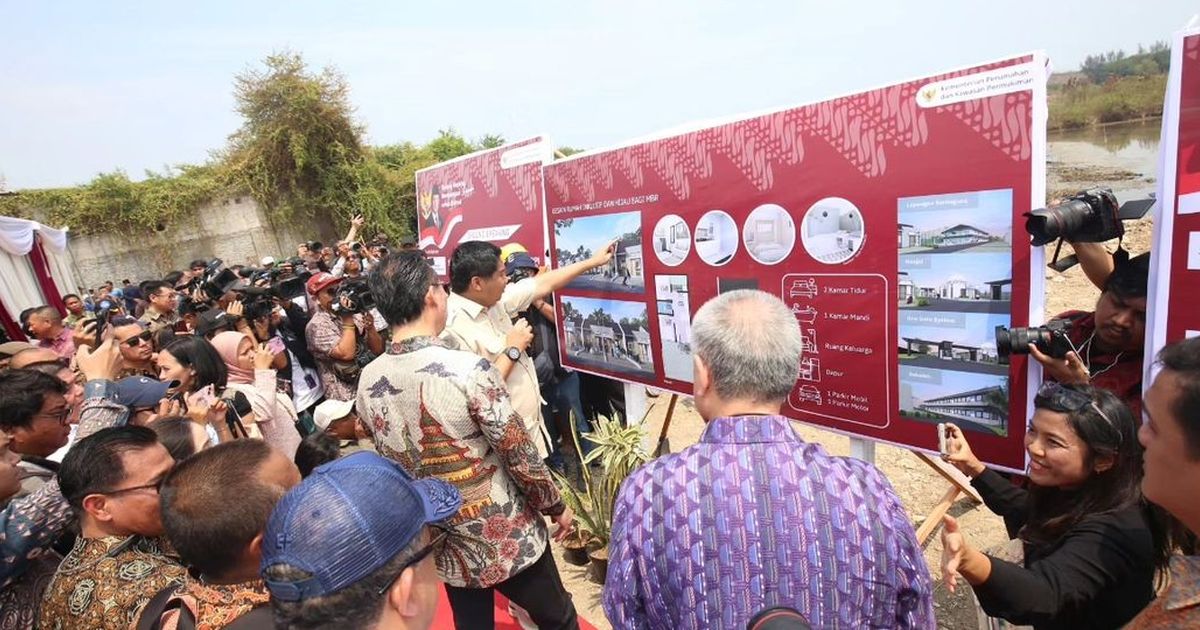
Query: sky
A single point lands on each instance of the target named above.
(90, 87)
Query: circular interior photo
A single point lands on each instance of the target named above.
(832, 231)
(672, 240)
(716, 237)
(769, 234)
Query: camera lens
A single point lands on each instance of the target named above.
(1061, 221)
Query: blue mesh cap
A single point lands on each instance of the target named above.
(347, 519)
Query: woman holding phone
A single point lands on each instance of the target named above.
(194, 364)
(1087, 547)
(249, 367)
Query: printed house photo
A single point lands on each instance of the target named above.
(832, 231)
(968, 283)
(674, 326)
(578, 239)
(952, 341)
(962, 222)
(975, 402)
(769, 234)
(672, 240)
(609, 335)
(716, 238)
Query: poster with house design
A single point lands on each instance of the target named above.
(493, 195)
(883, 220)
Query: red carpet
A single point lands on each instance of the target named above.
(444, 619)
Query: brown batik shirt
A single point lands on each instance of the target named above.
(105, 582)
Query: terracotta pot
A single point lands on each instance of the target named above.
(598, 569)
(575, 552)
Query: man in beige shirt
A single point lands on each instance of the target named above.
(482, 305)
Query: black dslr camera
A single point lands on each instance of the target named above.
(1050, 339)
(353, 297)
(1091, 216)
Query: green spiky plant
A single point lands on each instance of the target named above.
(620, 450)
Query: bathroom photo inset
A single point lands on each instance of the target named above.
(832, 231)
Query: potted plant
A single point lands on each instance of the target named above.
(619, 450)
(575, 548)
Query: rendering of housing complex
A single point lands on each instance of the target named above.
(611, 343)
(978, 405)
(958, 236)
(950, 350)
(956, 287)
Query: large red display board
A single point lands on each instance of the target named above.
(1176, 258)
(493, 195)
(883, 219)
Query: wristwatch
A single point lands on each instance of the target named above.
(513, 353)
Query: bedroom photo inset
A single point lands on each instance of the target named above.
(832, 231)
(577, 239)
(769, 234)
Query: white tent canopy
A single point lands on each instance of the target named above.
(19, 287)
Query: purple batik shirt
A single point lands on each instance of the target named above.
(754, 517)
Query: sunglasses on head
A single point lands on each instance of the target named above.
(1070, 400)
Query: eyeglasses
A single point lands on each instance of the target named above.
(1070, 400)
(137, 340)
(156, 486)
(61, 416)
(416, 559)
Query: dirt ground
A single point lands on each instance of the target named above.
(918, 486)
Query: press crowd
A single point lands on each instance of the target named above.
(330, 439)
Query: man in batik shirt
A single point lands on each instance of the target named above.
(445, 413)
(111, 480)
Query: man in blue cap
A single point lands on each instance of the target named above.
(335, 554)
(142, 395)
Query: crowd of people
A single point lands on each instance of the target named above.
(330, 439)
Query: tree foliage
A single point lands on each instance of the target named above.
(298, 150)
(1115, 63)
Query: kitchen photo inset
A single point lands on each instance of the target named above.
(716, 237)
(672, 240)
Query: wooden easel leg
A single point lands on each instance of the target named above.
(935, 515)
(662, 435)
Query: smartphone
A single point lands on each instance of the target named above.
(943, 442)
(275, 345)
(205, 397)
(102, 319)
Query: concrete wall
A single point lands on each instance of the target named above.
(235, 230)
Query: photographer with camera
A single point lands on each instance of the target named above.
(1103, 347)
(340, 330)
